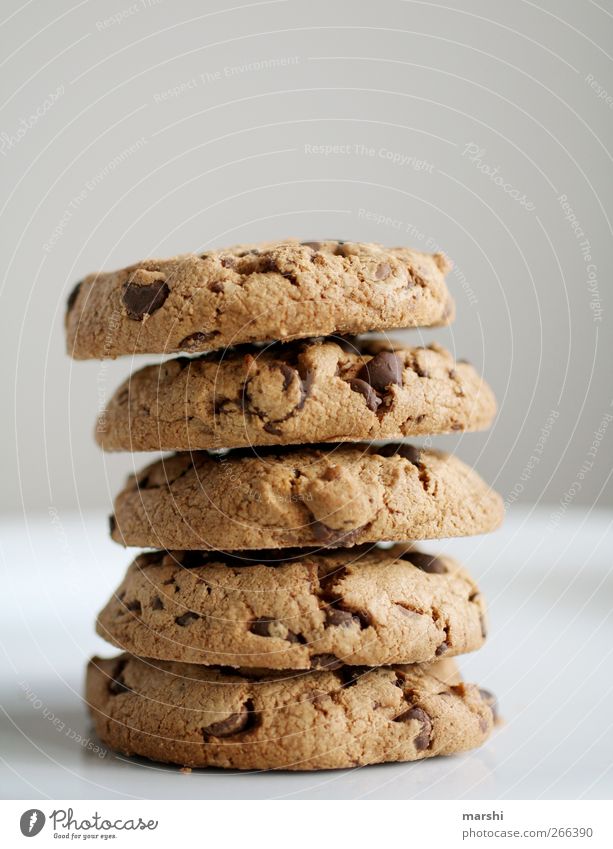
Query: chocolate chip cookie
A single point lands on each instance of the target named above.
(200, 716)
(284, 610)
(254, 293)
(312, 391)
(337, 495)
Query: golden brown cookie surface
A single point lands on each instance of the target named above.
(311, 391)
(326, 496)
(285, 610)
(255, 293)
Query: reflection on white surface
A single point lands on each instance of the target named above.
(550, 593)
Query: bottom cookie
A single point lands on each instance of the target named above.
(328, 718)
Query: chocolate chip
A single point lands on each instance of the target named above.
(422, 741)
(288, 375)
(157, 603)
(269, 427)
(441, 649)
(187, 618)
(382, 271)
(140, 301)
(73, 296)
(407, 452)
(425, 562)
(195, 341)
(117, 684)
(267, 627)
(332, 537)
(490, 699)
(236, 723)
(373, 402)
(134, 606)
(384, 370)
(335, 617)
(261, 627)
(217, 287)
(220, 405)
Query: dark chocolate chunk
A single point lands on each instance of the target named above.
(140, 301)
(422, 741)
(333, 537)
(373, 402)
(187, 618)
(289, 374)
(236, 723)
(266, 627)
(382, 371)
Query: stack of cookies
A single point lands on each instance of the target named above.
(270, 624)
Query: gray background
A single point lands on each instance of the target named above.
(184, 125)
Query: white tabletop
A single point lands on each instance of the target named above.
(549, 585)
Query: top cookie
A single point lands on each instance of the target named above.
(255, 293)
